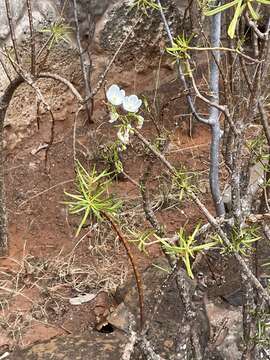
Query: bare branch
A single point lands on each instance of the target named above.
(11, 29)
(65, 82)
(5, 69)
(41, 98)
(180, 70)
(261, 35)
(211, 220)
(264, 121)
(84, 67)
(133, 263)
(32, 39)
(4, 103)
(225, 49)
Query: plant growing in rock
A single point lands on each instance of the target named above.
(57, 32)
(242, 240)
(242, 103)
(236, 124)
(92, 199)
(235, 97)
(145, 4)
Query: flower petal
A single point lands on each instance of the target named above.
(139, 103)
(113, 89)
(115, 95)
(132, 103)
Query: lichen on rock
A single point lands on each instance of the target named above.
(146, 30)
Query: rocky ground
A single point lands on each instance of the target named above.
(47, 267)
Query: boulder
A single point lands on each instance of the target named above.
(164, 332)
(44, 12)
(146, 30)
(94, 345)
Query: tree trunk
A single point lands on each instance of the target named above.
(4, 103)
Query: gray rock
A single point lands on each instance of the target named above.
(96, 7)
(44, 11)
(147, 33)
(89, 11)
(93, 345)
(166, 324)
(228, 343)
(230, 348)
(235, 298)
(47, 11)
(163, 334)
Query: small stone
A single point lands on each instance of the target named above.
(168, 344)
(120, 318)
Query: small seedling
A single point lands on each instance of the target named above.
(144, 5)
(181, 46)
(241, 240)
(57, 32)
(111, 156)
(143, 240)
(92, 198)
(258, 149)
(183, 181)
(186, 248)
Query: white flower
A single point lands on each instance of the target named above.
(123, 136)
(113, 117)
(132, 103)
(115, 95)
(140, 121)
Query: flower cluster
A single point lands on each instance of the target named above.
(131, 104)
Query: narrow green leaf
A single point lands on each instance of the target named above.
(161, 268)
(237, 14)
(77, 197)
(87, 212)
(221, 8)
(255, 16)
(77, 211)
(188, 266)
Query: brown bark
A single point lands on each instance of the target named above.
(4, 103)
